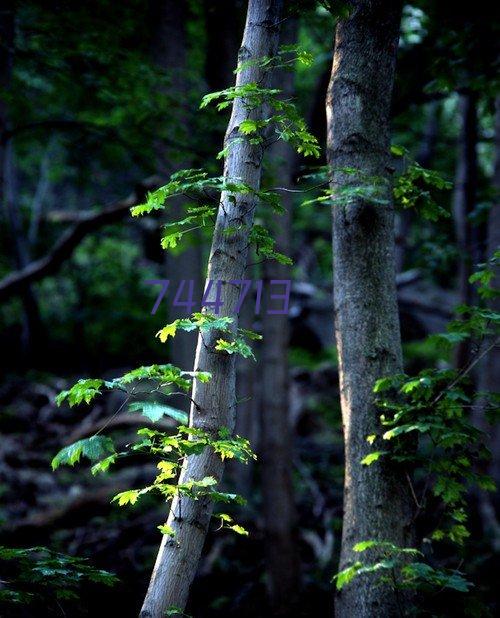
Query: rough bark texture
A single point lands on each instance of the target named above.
(376, 498)
(276, 447)
(464, 202)
(178, 558)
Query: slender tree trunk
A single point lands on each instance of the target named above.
(464, 202)
(276, 448)
(376, 498)
(178, 558)
(224, 21)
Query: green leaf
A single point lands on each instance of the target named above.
(130, 496)
(398, 151)
(364, 545)
(104, 465)
(372, 457)
(155, 411)
(238, 346)
(167, 331)
(347, 575)
(166, 530)
(83, 391)
(93, 448)
(249, 126)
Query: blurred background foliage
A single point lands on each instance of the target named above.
(96, 98)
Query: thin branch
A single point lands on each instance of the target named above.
(17, 281)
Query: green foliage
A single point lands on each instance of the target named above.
(200, 192)
(155, 411)
(37, 574)
(264, 245)
(93, 448)
(436, 404)
(171, 449)
(187, 183)
(164, 374)
(177, 612)
(197, 218)
(285, 58)
(350, 184)
(196, 185)
(372, 457)
(286, 120)
(164, 377)
(83, 391)
(226, 521)
(397, 567)
(238, 346)
(344, 577)
(421, 576)
(484, 277)
(206, 322)
(415, 189)
(187, 441)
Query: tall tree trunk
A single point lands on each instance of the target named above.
(224, 21)
(464, 202)
(276, 447)
(178, 558)
(377, 503)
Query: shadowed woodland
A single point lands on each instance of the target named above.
(249, 308)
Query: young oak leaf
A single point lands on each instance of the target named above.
(166, 332)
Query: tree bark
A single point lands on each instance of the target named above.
(276, 448)
(178, 558)
(377, 503)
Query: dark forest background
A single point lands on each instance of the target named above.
(99, 105)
